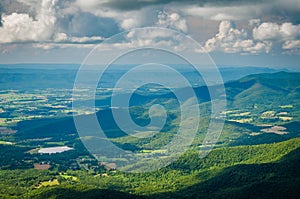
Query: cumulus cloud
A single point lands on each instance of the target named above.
(274, 31)
(265, 36)
(49, 21)
(285, 35)
(232, 40)
(172, 20)
(150, 37)
(291, 44)
(291, 47)
(129, 23)
(22, 27)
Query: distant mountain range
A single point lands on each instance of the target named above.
(254, 93)
(40, 76)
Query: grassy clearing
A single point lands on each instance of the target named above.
(245, 120)
(68, 177)
(5, 143)
(280, 130)
(49, 183)
(268, 114)
(285, 118)
(287, 106)
(154, 151)
(240, 114)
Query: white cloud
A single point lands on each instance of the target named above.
(41, 29)
(153, 37)
(266, 35)
(129, 23)
(86, 39)
(22, 28)
(291, 44)
(237, 12)
(49, 46)
(64, 38)
(285, 35)
(232, 40)
(274, 31)
(172, 20)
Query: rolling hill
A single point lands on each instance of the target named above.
(255, 93)
(258, 171)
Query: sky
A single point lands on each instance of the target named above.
(262, 33)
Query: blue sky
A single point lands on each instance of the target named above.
(235, 32)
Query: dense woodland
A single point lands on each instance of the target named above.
(268, 170)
